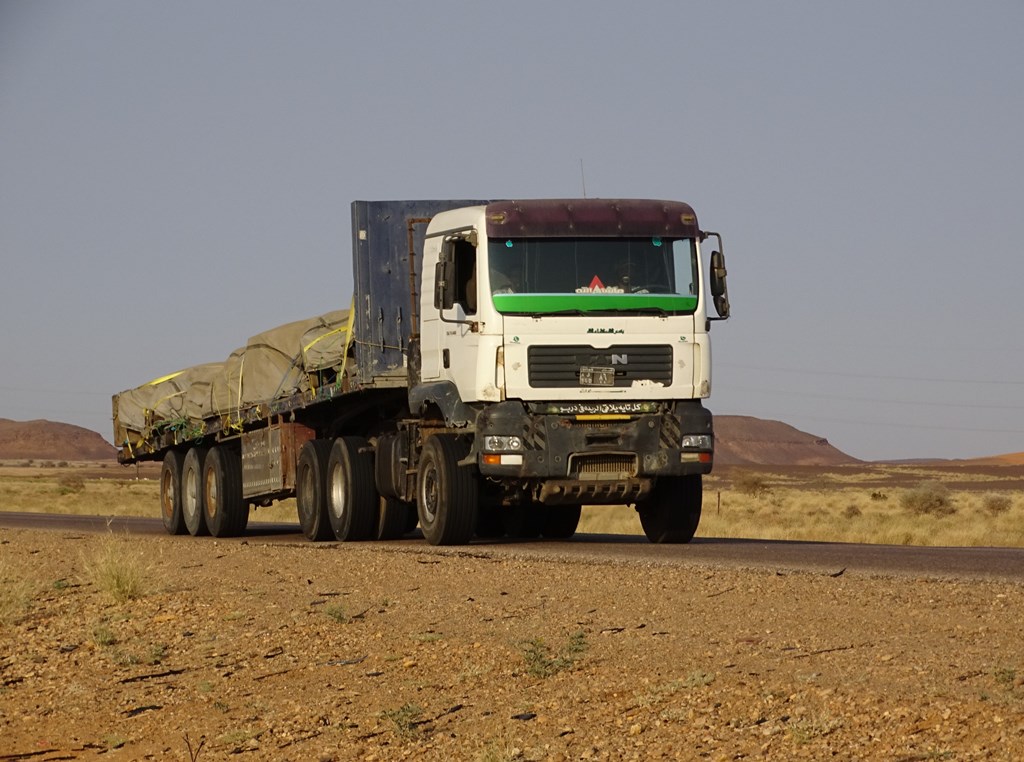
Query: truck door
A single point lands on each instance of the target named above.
(449, 343)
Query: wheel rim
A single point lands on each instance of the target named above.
(211, 495)
(190, 498)
(167, 489)
(305, 490)
(338, 492)
(429, 492)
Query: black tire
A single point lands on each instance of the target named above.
(672, 512)
(489, 523)
(394, 518)
(192, 492)
(560, 521)
(352, 499)
(311, 490)
(446, 493)
(170, 493)
(523, 522)
(226, 513)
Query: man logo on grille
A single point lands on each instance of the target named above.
(620, 359)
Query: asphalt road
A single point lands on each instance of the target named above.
(780, 556)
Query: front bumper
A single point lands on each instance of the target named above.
(597, 452)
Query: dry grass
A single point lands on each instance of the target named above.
(15, 595)
(119, 569)
(888, 504)
(921, 507)
(94, 490)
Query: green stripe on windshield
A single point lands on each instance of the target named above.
(545, 303)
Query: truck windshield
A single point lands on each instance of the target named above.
(586, 275)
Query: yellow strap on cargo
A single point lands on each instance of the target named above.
(160, 380)
(348, 338)
(322, 336)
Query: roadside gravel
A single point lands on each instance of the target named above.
(401, 651)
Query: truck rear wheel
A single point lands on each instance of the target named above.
(226, 513)
(672, 512)
(311, 490)
(170, 493)
(446, 493)
(394, 518)
(192, 492)
(352, 499)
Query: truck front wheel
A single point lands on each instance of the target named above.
(672, 511)
(352, 499)
(561, 521)
(446, 493)
(170, 493)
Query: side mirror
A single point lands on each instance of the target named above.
(444, 286)
(719, 289)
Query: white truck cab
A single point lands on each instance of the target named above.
(573, 337)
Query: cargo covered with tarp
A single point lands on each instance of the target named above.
(293, 359)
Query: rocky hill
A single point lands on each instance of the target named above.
(743, 440)
(48, 440)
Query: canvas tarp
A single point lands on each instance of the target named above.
(281, 362)
(165, 399)
(324, 344)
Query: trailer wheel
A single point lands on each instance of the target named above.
(311, 490)
(446, 493)
(352, 499)
(226, 512)
(560, 521)
(394, 518)
(170, 493)
(672, 512)
(192, 492)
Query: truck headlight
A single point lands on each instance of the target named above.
(494, 443)
(696, 441)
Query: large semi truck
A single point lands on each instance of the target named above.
(502, 364)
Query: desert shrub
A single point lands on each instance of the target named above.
(995, 504)
(541, 661)
(407, 720)
(69, 484)
(15, 595)
(928, 499)
(750, 483)
(852, 511)
(879, 496)
(118, 569)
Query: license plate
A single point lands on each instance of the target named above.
(597, 376)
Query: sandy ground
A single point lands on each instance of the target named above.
(401, 651)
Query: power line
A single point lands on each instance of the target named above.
(876, 424)
(845, 398)
(873, 377)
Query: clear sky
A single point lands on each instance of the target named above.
(176, 176)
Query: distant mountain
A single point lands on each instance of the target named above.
(739, 440)
(47, 440)
(743, 440)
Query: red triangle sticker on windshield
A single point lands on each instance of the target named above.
(596, 284)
